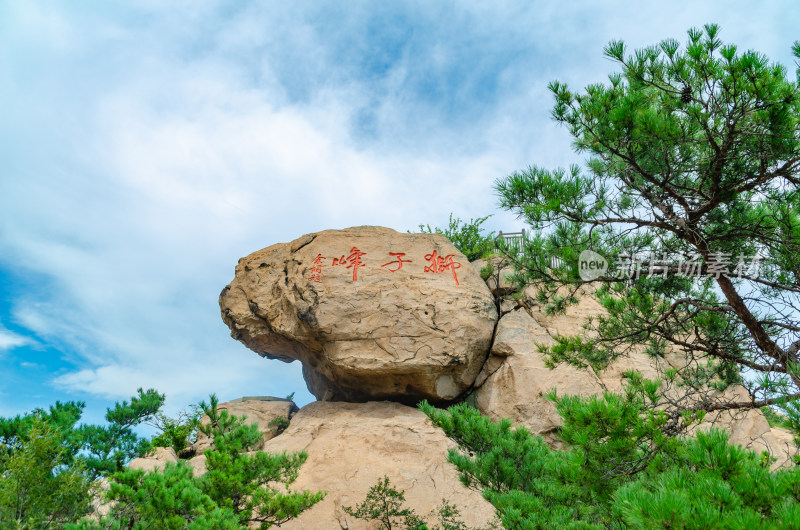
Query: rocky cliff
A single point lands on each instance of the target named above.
(380, 320)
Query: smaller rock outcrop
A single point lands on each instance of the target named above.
(156, 460)
(351, 446)
(271, 414)
(750, 429)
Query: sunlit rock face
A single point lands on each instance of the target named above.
(351, 446)
(370, 312)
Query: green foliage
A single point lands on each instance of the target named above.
(775, 419)
(709, 484)
(791, 416)
(467, 237)
(385, 504)
(487, 271)
(619, 470)
(693, 167)
(15, 432)
(237, 490)
(179, 432)
(449, 517)
(531, 485)
(280, 423)
(616, 435)
(107, 449)
(48, 462)
(38, 486)
(245, 482)
(170, 500)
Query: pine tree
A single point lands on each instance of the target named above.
(179, 432)
(690, 194)
(244, 482)
(618, 471)
(237, 490)
(49, 463)
(108, 448)
(385, 504)
(40, 485)
(169, 499)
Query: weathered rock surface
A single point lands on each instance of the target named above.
(100, 507)
(351, 446)
(260, 410)
(514, 380)
(370, 312)
(198, 464)
(779, 443)
(157, 459)
(750, 429)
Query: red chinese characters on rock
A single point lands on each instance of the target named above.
(399, 261)
(441, 264)
(436, 264)
(353, 261)
(316, 269)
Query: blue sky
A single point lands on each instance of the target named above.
(146, 147)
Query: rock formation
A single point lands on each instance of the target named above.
(155, 460)
(514, 381)
(372, 315)
(351, 446)
(377, 315)
(370, 312)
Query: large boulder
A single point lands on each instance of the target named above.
(351, 446)
(370, 312)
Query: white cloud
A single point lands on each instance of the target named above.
(145, 152)
(9, 340)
